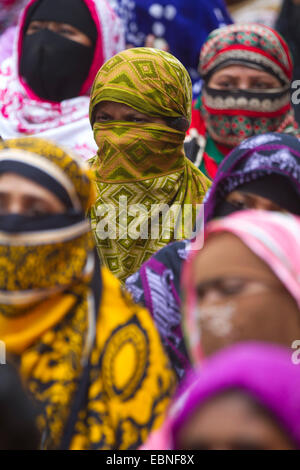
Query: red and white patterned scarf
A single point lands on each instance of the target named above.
(234, 115)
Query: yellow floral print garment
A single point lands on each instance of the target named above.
(130, 382)
(49, 285)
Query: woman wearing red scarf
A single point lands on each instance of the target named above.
(246, 71)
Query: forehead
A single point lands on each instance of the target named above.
(218, 244)
(210, 418)
(15, 184)
(225, 255)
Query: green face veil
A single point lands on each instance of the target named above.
(145, 163)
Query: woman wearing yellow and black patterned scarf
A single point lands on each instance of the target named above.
(91, 358)
(140, 111)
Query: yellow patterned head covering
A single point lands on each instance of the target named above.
(42, 256)
(143, 162)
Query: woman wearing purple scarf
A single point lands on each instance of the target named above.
(261, 173)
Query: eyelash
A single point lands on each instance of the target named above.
(239, 203)
(102, 117)
(67, 31)
(224, 84)
(262, 85)
(138, 120)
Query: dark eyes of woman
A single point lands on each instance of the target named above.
(232, 287)
(261, 85)
(133, 118)
(65, 30)
(103, 117)
(34, 28)
(224, 287)
(226, 85)
(255, 85)
(240, 204)
(70, 32)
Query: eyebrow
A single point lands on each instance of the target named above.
(67, 25)
(226, 75)
(261, 75)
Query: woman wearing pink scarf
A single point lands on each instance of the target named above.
(243, 285)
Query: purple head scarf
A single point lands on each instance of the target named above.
(265, 372)
(157, 284)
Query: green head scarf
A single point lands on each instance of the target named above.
(149, 80)
(145, 162)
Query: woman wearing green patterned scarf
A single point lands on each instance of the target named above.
(148, 191)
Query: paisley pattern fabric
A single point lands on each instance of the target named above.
(59, 312)
(143, 163)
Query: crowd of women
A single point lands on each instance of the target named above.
(115, 335)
